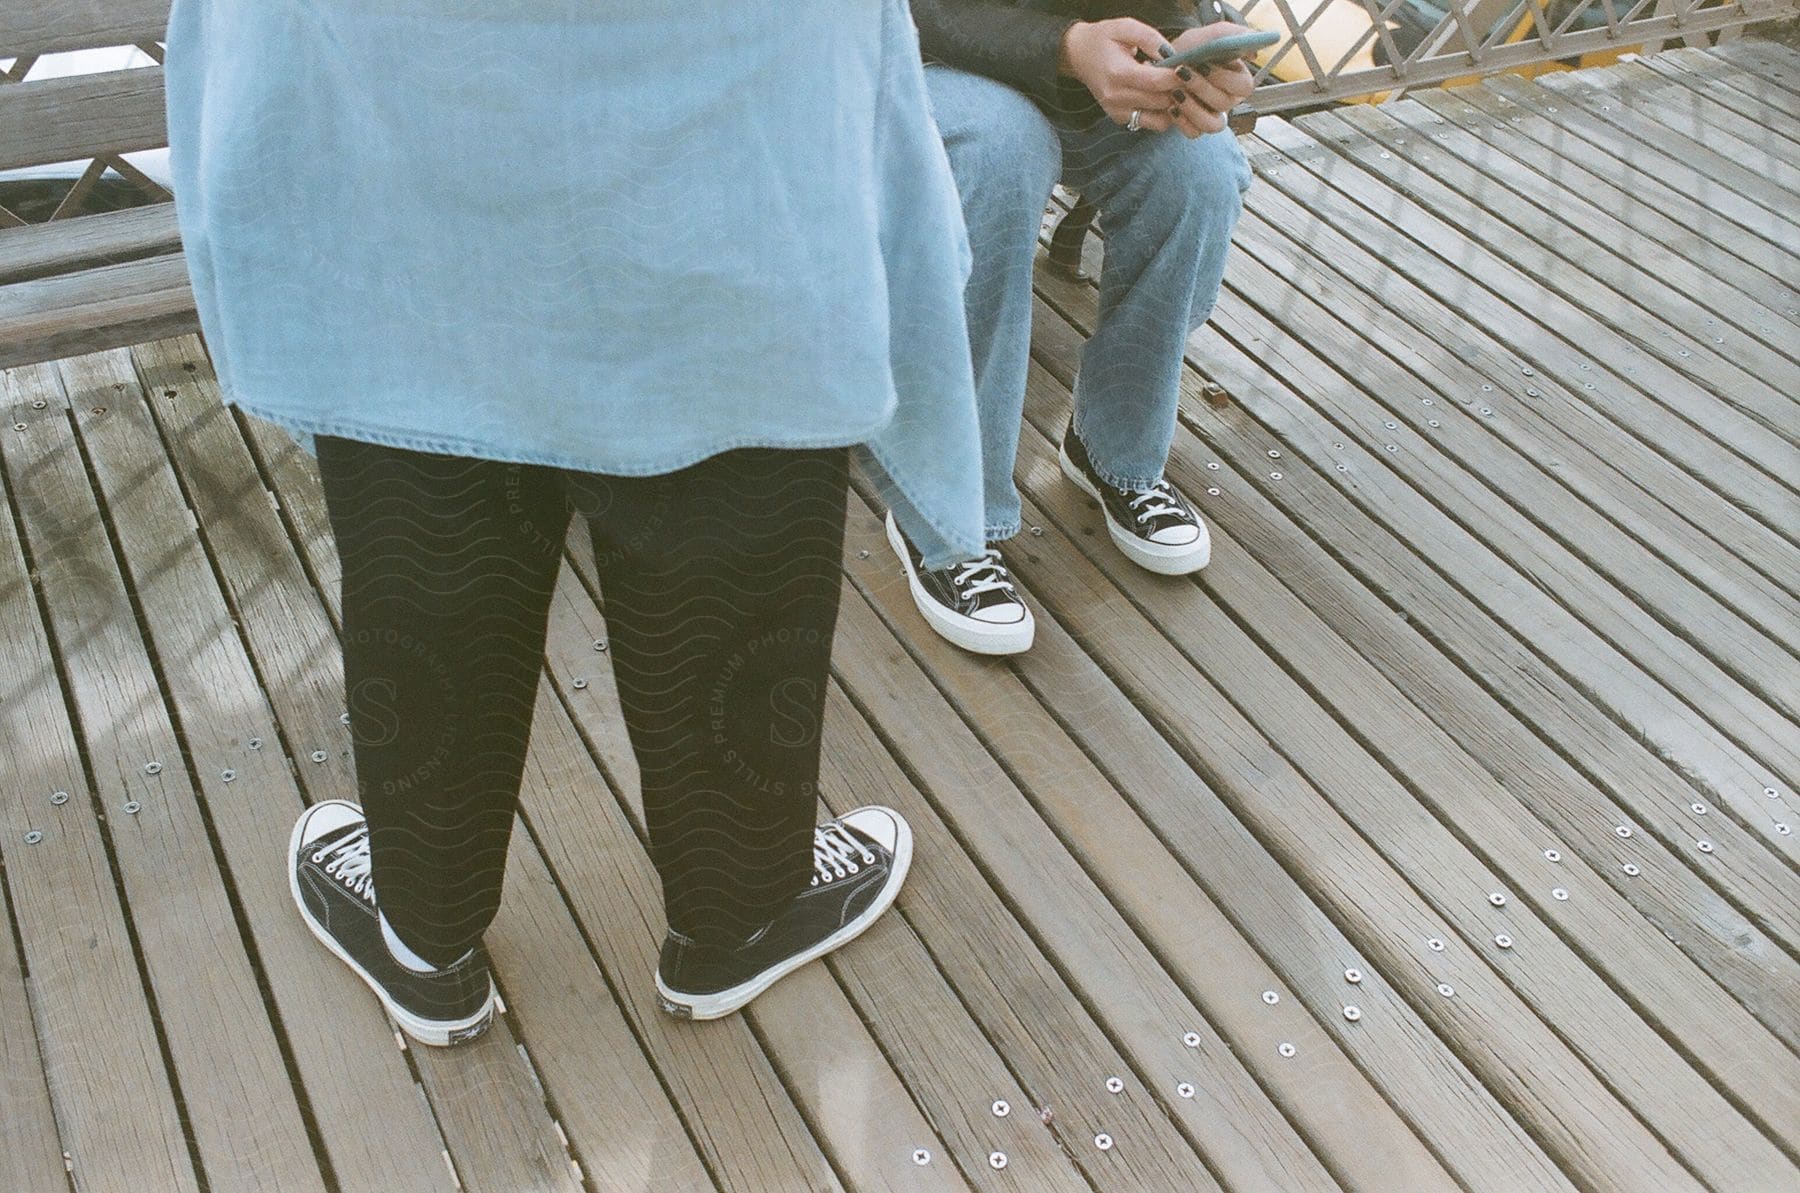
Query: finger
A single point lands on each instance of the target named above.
(1150, 120)
(1132, 97)
(1237, 80)
(1134, 34)
(1212, 96)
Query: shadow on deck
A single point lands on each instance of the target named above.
(1437, 836)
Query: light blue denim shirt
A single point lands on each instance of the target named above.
(603, 236)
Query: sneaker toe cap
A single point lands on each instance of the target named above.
(1007, 614)
(1177, 536)
(882, 825)
(325, 818)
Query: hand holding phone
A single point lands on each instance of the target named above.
(1221, 49)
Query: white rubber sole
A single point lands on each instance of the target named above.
(977, 637)
(1161, 558)
(716, 1006)
(439, 1033)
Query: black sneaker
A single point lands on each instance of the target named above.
(1156, 528)
(859, 861)
(972, 604)
(328, 871)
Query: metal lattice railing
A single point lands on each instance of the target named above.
(1376, 50)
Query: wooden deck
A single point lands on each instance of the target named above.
(1438, 836)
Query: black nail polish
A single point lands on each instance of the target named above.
(1166, 50)
(1186, 73)
(1180, 98)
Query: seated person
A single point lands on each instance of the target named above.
(1025, 94)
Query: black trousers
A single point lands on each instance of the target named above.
(720, 584)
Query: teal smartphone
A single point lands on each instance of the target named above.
(1222, 49)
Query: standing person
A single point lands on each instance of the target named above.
(1027, 92)
(501, 263)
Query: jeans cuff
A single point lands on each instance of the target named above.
(999, 534)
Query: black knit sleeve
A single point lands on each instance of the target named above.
(1018, 46)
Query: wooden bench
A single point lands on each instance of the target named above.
(79, 283)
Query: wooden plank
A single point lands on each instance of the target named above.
(1022, 1009)
(826, 1059)
(1716, 155)
(748, 1142)
(1252, 532)
(1740, 715)
(1640, 201)
(1587, 1131)
(108, 307)
(1340, 1111)
(1697, 116)
(1558, 315)
(1500, 829)
(42, 250)
(1770, 60)
(99, 1046)
(1644, 394)
(33, 1155)
(1229, 1125)
(1561, 426)
(1638, 488)
(53, 26)
(76, 117)
(1578, 554)
(1649, 794)
(1724, 773)
(1590, 438)
(498, 1130)
(101, 1056)
(1673, 171)
(218, 699)
(1349, 804)
(239, 1105)
(1745, 93)
(1311, 659)
(1573, 252)
(940, 1058)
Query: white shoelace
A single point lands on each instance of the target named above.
(989, 568)
(1158, 499)
(834, 853)
(349, 864)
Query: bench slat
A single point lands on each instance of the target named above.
(107, 307)
(68, 119)
(30, 27)
(44, 250)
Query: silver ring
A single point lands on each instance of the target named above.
(1136, 123)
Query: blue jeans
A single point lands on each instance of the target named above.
(1167, 206)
